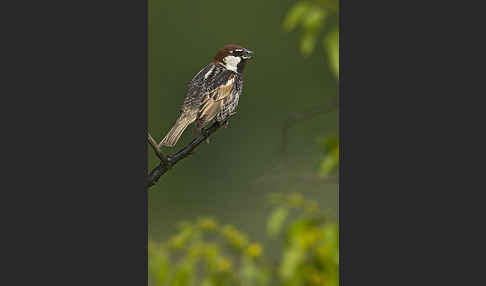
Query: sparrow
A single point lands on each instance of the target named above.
(213, 92)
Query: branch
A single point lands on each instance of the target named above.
(167, 162)
(281, 174)
(293, 118)
(301, 116)
(156, 149)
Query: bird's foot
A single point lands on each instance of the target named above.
(204, 131)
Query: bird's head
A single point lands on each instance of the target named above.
(233, 57)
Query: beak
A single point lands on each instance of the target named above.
(248, 54)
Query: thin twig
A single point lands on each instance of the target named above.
(280, 174)
(301, 116)
(156, 149)
(293, 118)
(167, 162)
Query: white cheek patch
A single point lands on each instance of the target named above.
(231, 62)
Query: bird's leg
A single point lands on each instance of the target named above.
(204, 131)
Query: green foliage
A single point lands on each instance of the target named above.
(331, 42)
(314, 19)
(310, 255)
(295, 14)
(276, 221)
(330, 160)
(207, 253)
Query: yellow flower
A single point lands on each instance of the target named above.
(176, 242)
(196, 251)
(308, 238)
(254, 250)
(224, 265)
(228, 231)
(316, 279)
(295, 199)
(234, 237)
(207, 224)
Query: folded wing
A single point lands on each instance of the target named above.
(217, 94)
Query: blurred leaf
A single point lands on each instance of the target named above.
(158, 264)
(251, 274)
(234, 237)
(331, 238)
(331, 43)
(295, 14)
(276, 220)
(310, 256)
(330, 163)
(181, 239)
(330, 160)
(308, 42)
(311, 23)
(291, 259)
(314, 18)
(328, 143)
(184, 275)
(207, 282)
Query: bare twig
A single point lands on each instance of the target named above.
(301, 116)
(156, 149)
(280, 174)
(167, 162)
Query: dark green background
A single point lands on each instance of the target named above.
(231, 177)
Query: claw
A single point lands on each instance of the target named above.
(204, 131)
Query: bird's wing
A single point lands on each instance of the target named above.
(216, 95)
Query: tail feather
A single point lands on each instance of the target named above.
(176, 131)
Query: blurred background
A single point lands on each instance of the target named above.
(284, 137)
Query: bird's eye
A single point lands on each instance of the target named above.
(237, 53)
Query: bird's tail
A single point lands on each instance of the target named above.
(175, 132)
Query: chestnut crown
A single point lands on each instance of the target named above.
(233, 57)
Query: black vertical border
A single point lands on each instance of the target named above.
(75, 143)
(390, 193)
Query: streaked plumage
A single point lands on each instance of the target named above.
(213, 93)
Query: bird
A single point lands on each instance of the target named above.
(213, 93)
